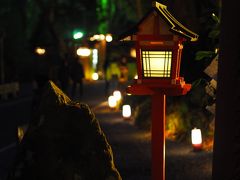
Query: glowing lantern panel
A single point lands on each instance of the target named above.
(157, 63)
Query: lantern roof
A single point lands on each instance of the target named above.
(165, 18)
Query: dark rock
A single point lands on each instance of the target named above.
(64, 141)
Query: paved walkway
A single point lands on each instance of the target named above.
(131, 147)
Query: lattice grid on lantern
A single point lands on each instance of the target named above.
(156, 63)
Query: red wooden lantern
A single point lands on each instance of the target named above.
(159, 41)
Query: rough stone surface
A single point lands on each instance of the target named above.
(64, 141)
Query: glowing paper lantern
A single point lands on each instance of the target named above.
(112, 102)
(126, 111)
(196, 136)
(117, 94)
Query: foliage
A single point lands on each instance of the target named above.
(182, 113)
(200, 55)
(177, 121)
(118, 16)
(105, 10)
(141, 115)
(213, 29)
(197, 96)
(208, 94)
(185, 113)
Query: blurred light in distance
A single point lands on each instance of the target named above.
(77, 35)
(102, 37)
(133, 52)
(95, 76)
(40, 51)
(83, 52)
(92, 38)
(94, 58)
(109, 38)
(96, 37)
(20, 133)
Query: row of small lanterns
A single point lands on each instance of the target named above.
(114, 101)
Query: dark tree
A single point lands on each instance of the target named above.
(226, 159)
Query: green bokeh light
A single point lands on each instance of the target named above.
(77, 35)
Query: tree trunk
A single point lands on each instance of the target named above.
(226, 154)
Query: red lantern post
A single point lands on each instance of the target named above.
(158, 136)
(159, 41)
